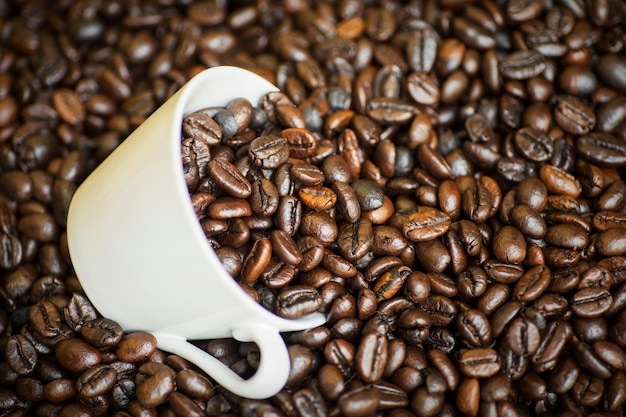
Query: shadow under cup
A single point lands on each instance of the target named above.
(143, 260)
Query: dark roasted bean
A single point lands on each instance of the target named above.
(297, 301)
(591, 302)
(472, 34)
(76, 354)
(468, 396)
(228, 177)
(371, 357)
(135, 347)
(194, 384)
(602, 149)
(96, 380)
(102, 332)
(479, 363)
(21, 355)
(269, 151)
(199, 125)
(426, 225)
(573, 116)
(522, 65)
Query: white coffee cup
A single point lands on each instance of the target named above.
(143, 260)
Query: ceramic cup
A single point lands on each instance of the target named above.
(143, 260)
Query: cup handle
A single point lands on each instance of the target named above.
(270, 376)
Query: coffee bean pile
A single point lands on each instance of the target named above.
(443, 178)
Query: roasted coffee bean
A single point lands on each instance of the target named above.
(573, 116)
(610, 242)
(414, 326)
(331, 382)
(559, 182)
(478, 128)
(479, 363)
(564, 375)
(432, 255)
(76, 354)
(607, 219)
(614, 392)
(79, 311)
(135, 347)
(591, 302)
(297, 301)
(434, 163)
(320, 225)
(421, 48)
(369, 194)
(348, 201)
(468, 396)
(472, 34)
(180, 404)
(495, 388)
(441, 309)
(442, 284)
(269, 152)
(317, 198)
(155, 389)
(359, 401)
(589, 361)
(60, 390)
(477, 203)
(474, 328)
(509, 245)
(522, 65)
(96, 380)
(355, 239)
(337, 265)
(200, 125)
(289, 214)
(445, 370)
(522, 337)
(609, 67)
(46, 321)
(417, 287)
(590, 330)
(612, 197)
(228, 208)
(602, 149)
(285, 248)
(610, 353)
(424, 88)
(256, 260)
(228, 177)
(102, 332)
(533, 283)
(194, 385)
(371, 357)
(312, 251)
(390, 282)
(301, 363)
(21, 355)
(494, 296)
(390, 110)
(426, 225)
(528, 221)
(503, 315)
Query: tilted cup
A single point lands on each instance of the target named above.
(143, 260)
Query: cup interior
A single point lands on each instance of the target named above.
(241, 84)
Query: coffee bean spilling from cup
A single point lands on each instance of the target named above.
(450, 172)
